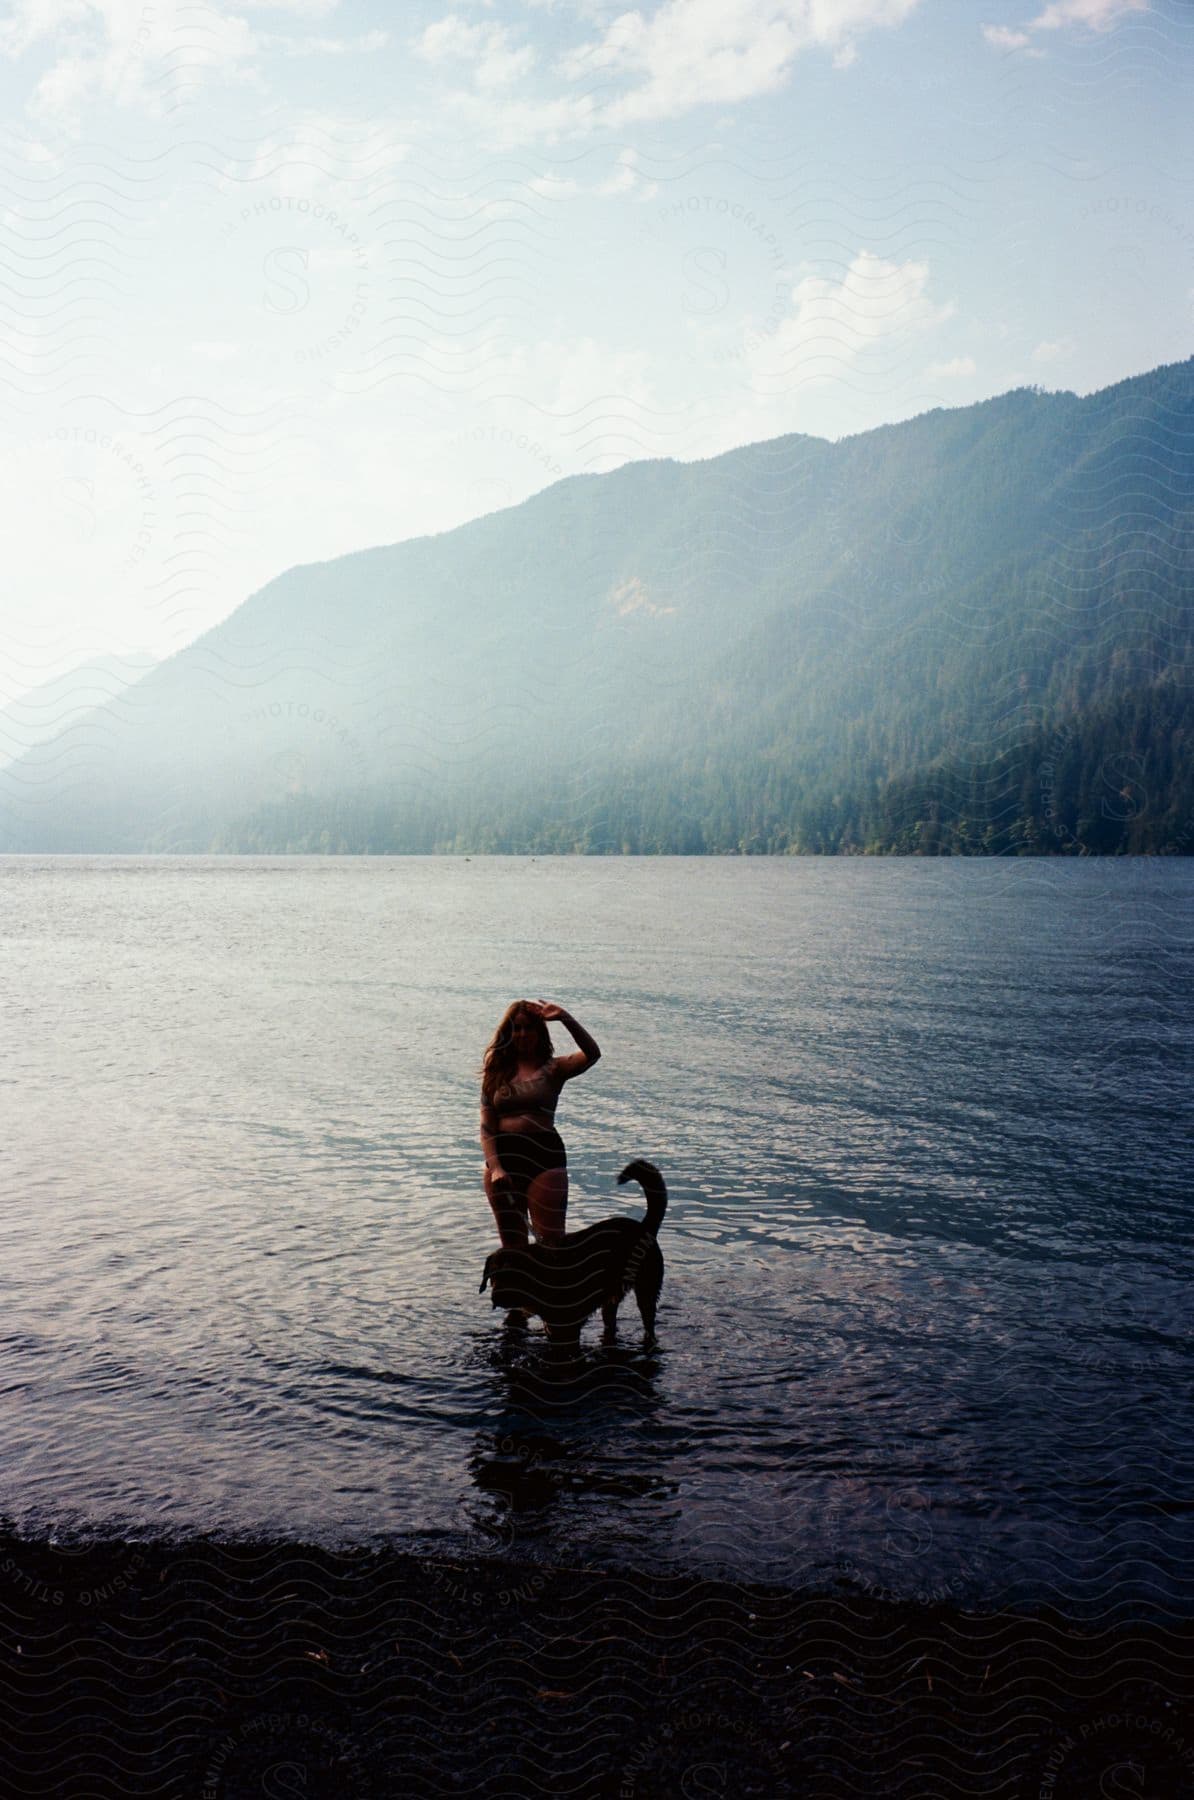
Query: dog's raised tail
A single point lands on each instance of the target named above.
(651, 1182)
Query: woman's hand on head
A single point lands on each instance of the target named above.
(547, 1010)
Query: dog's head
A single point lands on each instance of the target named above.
(500, 1271)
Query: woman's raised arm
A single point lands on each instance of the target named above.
(589, 1051)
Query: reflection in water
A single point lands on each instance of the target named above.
(558, 1437)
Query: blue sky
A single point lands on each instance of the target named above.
(283, 281)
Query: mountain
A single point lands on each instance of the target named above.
(44, 711)
(967, 632)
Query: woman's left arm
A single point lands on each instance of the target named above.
(589, 1051)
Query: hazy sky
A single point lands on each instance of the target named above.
(282, 281)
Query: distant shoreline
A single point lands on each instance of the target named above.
(1143, 856)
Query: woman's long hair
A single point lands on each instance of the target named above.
(501, 1058)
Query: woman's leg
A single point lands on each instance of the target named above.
(509, 1205)
(547, 1202)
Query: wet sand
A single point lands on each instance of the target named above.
(208, 1670)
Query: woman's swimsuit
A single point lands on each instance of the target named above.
(530, 1152)
(534, 1147)
(537, 1092)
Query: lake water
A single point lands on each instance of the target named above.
(925, 1126)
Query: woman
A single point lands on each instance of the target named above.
(526, 1168)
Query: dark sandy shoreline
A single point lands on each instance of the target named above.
(206, 1670)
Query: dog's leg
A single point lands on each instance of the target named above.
(609, 1320)
(563, 1344)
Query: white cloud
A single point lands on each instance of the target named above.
(1055, 351)
(554, 187)
(642, 66)
(627, 182)
(298, 164)
(620, 182)
(1094, 15)
(302, 9)
(875, 304)
(1001, 37)
(845, 358)
(1098, 15)
(570, 378)
(717, 52)
(364, 45)
(503, 119)
(30, 20)
(496, 60)
(150, 58)
(956, 367)
(837, 360)
(123, 52)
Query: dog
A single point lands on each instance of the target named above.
(564, 1284)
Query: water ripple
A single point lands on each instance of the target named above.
(925, 1325)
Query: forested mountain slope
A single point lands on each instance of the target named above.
(968, 632)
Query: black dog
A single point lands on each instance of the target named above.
(564, 1284)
